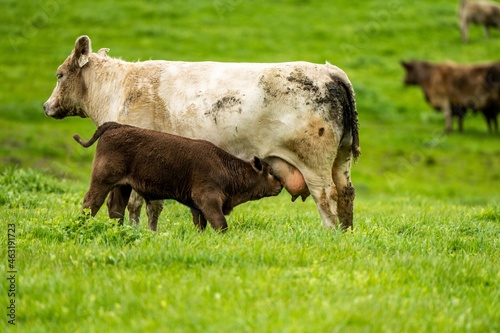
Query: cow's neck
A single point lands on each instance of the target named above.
(104, 84)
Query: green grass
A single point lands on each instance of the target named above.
(424, 254)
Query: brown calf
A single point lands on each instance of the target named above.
(158, 166)
(485, 13)
(453, 88)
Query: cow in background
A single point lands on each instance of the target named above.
(485, 13)
(453, 89)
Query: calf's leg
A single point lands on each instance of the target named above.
(153, 210)
(210, 206)
(198, 219)
(117, 202)
(95, 196)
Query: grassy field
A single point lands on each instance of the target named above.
(424, 253)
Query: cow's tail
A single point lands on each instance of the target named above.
(100, 131)
(350, 117)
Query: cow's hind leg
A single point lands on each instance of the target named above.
(332, 189)
(341, 173)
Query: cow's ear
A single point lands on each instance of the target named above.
(405, 64)
(82, 51)
(256, 164)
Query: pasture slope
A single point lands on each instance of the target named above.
(424, 254)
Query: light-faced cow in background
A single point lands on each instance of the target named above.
(300, 117)
(485, 13)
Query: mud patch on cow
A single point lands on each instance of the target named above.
(225, 104)
(345, 205)
(303, 81)
(276, 87)
(315, 144)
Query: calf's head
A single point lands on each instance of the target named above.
(71, 90)
(265, 184)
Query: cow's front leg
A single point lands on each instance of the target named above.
(486, 32)
(153, 209)
(448, 117)
(464, 30)
(134, 207)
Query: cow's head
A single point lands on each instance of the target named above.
(70, 92)
(416, 72)
(267, 184)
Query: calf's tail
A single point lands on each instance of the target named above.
(100, 131)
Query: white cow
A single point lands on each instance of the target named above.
(300, 117)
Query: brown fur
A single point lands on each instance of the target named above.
(158, 165)
(454, 88)
(485, 13)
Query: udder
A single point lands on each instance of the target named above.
(290, 177)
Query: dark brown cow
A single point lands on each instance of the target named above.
(453, 88)
(485, 13)
(158, 166)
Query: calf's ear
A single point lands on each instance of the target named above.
(82, 51)
(256, 164)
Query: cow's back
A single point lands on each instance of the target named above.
(243, 107)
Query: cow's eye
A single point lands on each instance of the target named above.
(59, 76)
